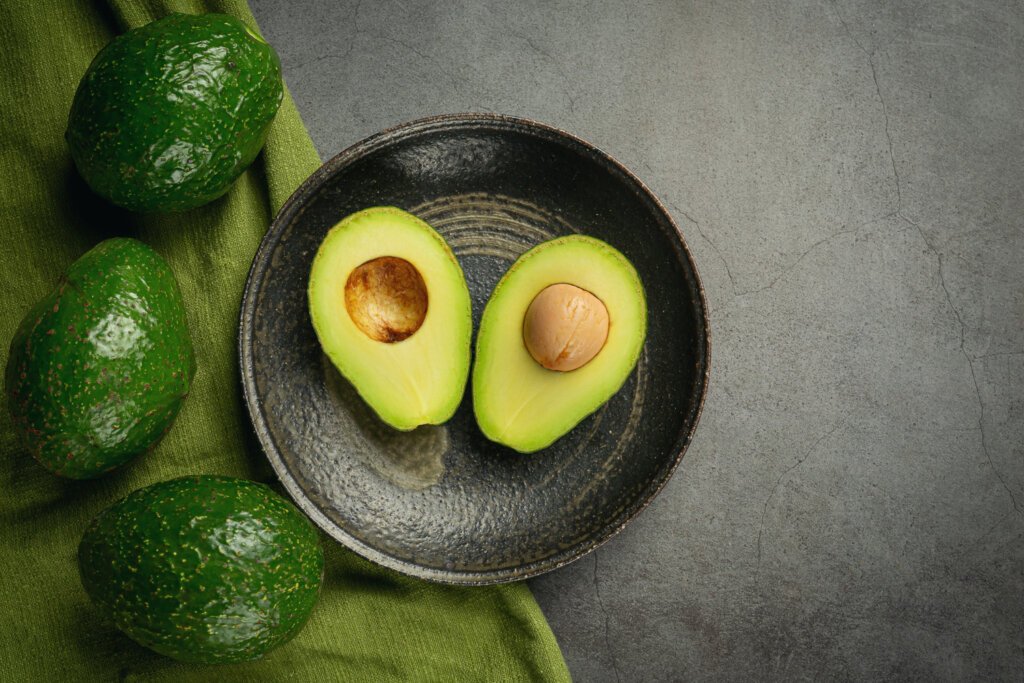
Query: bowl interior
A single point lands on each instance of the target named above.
(443, 502)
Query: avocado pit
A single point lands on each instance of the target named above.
(565, 327)
(386, 299)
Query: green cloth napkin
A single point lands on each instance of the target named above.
(370, 624)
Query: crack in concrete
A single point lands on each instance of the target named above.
(785, 271)
(981, 428)
(938, 256)
(324, 57)
(700, 230)
(856, 42)
(892, 160)
(771, 494)
(792, 266)
(354, 19)
(355, 15)
(999, 354)
(607, 619)
(969, 550)
(456, 81)
(870, 54)
(984, 443)
(556, 63)
(967, 357)
(888, 135)
(737, 292)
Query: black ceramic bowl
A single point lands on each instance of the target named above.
(444, 503)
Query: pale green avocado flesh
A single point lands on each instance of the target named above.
(410, 376)
(518, 402)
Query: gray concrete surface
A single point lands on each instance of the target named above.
(849, 176)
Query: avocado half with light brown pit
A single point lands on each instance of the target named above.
(390, 307)
(559, 336)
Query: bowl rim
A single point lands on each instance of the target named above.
(294, 207)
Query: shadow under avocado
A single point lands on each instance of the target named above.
(91, 215)
(100, 640)
(53, 496)
(412, 460)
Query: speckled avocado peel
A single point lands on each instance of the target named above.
(99, 367)
(205, 569)
(169, 114)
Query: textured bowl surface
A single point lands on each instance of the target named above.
(444, 503)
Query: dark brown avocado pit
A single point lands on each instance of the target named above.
(386, 299)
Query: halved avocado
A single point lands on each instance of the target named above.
(391, 309)
(562, 331)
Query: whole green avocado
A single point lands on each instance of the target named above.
(168, 115)
(204, 568)
(98, 368)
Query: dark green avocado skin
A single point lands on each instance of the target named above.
(168, 115)
(99, 367)
(204, 568)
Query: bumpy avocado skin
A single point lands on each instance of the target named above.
(99, 367)
(203, 568)
(168, 115)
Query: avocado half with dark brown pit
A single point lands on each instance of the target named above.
(559, 336)
(391, 310)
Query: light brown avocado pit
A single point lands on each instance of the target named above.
(386, 299)
(565, 327)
